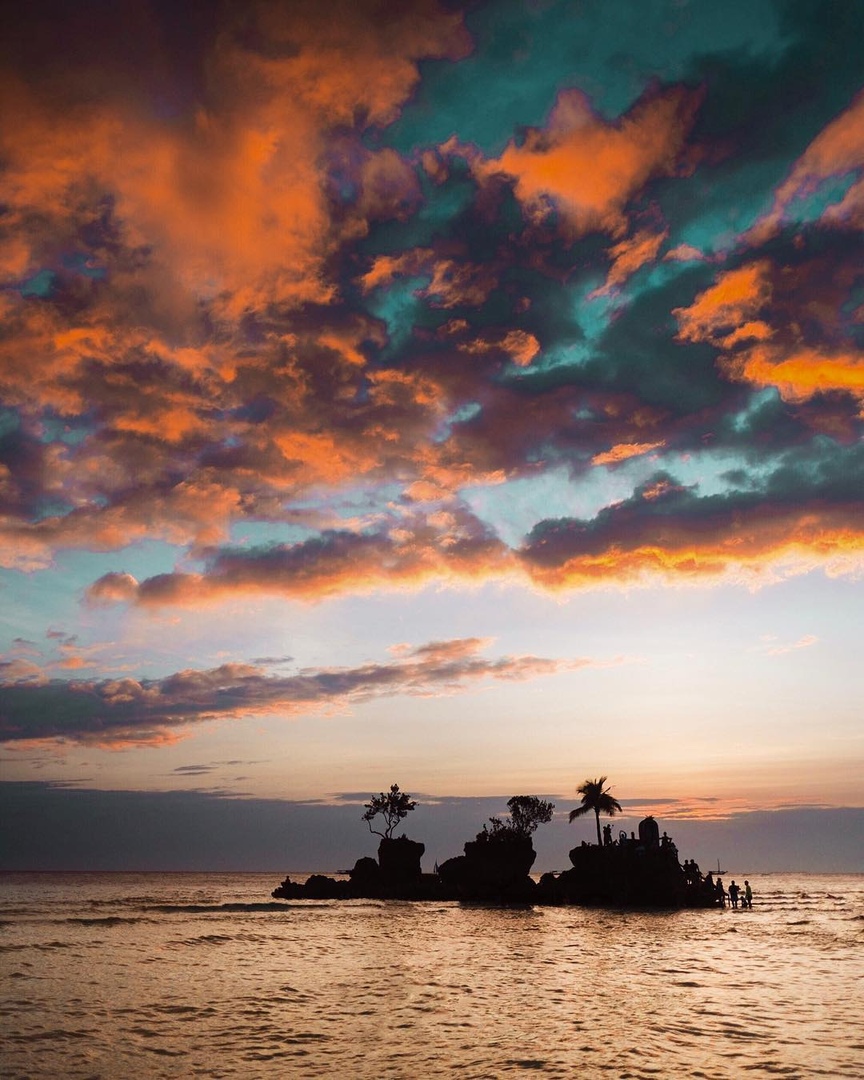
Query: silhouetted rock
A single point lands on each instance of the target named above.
(452, 872)
(625, 873)
(492, 869)
(288, 890)
(398, 876)
(399, 861)
(628, 873)
(320, 887)
(316, 887)
(365, 877)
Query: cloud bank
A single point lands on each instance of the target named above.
(71, 828)
(123, 712)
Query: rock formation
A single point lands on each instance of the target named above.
(631, 872)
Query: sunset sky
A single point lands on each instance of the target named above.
(467, 395)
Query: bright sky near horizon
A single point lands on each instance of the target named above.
(468, 395)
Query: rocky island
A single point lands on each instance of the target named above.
(636, 871)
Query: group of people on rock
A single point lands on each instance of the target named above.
(736, 894)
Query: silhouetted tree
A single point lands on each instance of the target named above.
(527, 812)
(595, 797)
(393, 806)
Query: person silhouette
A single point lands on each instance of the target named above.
(708, 889)
(721, 892)
(733, 894)
(748, 895)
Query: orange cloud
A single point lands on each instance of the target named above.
(702, 564)
(799, 372)
(736, 297)
(588, 169)
(631, 254)
(387, 268)
(168, 410)
(447, 547)
(220, 203)
(666, 534)
(21, 672)
(521, 345)
(623, 451)
(232, 204)
(754, 314)
(849, 212)
(321, 458)
(75, 663)
(442, 650)
(518, 346)
(355, 59)
(836, 151)
(452, 281)
(197, 512)
(459, 284)
(113, 588)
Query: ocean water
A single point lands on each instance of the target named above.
(201, 975)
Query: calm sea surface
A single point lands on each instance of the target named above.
(184, 975)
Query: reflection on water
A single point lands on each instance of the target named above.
(182, 975)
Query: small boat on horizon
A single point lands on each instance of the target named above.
(719, 869)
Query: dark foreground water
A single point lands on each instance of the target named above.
(184, 975)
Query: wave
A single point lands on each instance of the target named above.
(105, 920)
(203, 909)
(40, 946)
(82, 920)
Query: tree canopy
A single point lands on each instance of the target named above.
(527, 812)
(392, 806)
(596, 798)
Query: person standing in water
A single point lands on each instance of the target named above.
(733, 894)
(747, 901)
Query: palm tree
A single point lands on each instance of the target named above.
(597, 798)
